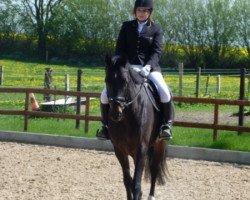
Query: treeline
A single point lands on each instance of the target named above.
(199, 33)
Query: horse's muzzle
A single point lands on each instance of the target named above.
(116, 116)
(117, 106)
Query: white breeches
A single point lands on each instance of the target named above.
(104, 96)
(157, 78)
(163, 90)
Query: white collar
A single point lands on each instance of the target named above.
(141, 25)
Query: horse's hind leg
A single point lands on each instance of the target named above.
(153, 171)
(127, 179)
(157, 165)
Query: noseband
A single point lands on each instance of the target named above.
(122, 100)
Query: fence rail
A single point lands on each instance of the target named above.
(215, 126)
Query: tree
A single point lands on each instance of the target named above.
(89, 27)
(8, 26)
(190, 36)
(242, 8)
(36, 17)
(220, 31)
(183, 26)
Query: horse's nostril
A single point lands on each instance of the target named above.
(116, 115)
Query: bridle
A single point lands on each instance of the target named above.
(122, 100)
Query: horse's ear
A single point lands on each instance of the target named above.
(108, 60)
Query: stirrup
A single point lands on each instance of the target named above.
(165, 132)
(102, 134)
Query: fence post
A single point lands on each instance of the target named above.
(26, 108)
(48, 83)
(67, 86)
(87, 114)
(198, 80)
(207, 84)
(216, 121)
(218, 84)
(1, 75)
(180, 79)
(78, 98)
(242, 96)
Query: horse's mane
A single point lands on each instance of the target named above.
(135, 76)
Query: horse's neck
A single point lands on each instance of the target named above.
(138, 95)
(133, 89)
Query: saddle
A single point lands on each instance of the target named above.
(149, 86)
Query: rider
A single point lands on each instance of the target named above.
(141, 41)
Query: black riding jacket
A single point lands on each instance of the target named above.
(140, 48)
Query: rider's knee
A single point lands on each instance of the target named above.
(165, 95)
(104, 96)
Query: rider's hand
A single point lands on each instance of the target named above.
(145, 71)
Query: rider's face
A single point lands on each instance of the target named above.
(142, 14)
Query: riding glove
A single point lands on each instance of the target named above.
(145, 71)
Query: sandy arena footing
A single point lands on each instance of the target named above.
(36, 172)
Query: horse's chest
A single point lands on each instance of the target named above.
(124, 133)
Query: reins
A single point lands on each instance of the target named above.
(130, 102)
(144, 83)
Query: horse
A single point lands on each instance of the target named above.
(133, 127)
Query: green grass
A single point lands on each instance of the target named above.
(194, 137)
(48, 126)
(29, 74)
(191, 137)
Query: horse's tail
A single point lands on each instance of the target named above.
(156, 167)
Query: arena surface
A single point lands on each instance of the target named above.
(33, 172)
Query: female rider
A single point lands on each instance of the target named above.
(141, 41)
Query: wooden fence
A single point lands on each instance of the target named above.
(243, 74)
(26, 112)
(215, 126)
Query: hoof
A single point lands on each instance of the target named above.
(151, 198)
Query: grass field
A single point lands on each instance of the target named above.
(29, 74)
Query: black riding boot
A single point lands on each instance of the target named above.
(167, 112)
(102, 133)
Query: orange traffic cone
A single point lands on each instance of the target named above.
(34, 104)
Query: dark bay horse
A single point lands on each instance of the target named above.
(133, 127)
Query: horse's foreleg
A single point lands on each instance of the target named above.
(139, 167)
(127, 179)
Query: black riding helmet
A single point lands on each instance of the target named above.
(144, 3)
